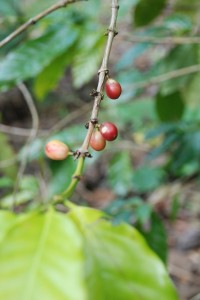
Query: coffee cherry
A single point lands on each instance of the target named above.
(113, 88)
(56, 150)
(109, 131)
(97, 142)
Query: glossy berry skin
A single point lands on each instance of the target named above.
(109, 131)
(97, 142)
(56, 150)
(113, 89)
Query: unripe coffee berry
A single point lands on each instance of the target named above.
(97, 141)
(56, 150)
(109, 131)
(113, 88)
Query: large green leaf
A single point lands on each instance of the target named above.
(177, 24)
(192, 91)
(77, 256)
(6, 154)
(28, 190)
(131, 55)
(170, 107)
(61, 175)
(180, 57)
(147, 11)
(191, 9)
(156, 235)
(87, 60)
(8, 8)
(47, 80)
(134, 112)
(125, 9)
(133, 210)
(120, 164)
(146, 178)
(33, 56)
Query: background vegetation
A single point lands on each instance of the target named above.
(149, 177)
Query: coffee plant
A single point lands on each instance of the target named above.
(52, 245)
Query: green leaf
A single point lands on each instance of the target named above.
(61, 175)
(143, 212)
(180, 57)
(120, 173)
(8, 8)
(47, 80)
(28, 190)
(88, 58)
(35, 150)
(6, 182)
(32, 57)
(156, 236)
(181, 6)
(170, 107)
(188, 150)
(7, 154)
(135, 112)
(178, 24)
(131, 55)
(20, 198)
(192, 91)
(164, 128)
(147, 11)
(125, 9)
(174, 209)
(147, 178)
(77, 256)
(166, 145)
(129, 210)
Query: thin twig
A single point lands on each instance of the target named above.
(167, 76)
(24, 132)
(34, 20)
(163, 40)
(33, 111)
(103, 72)
(71, 117)
(35, 125)
(74, 115)
(98, 96)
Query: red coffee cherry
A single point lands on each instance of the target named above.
(109, 131)
(97, 142)
(113, 88)
(56, 150)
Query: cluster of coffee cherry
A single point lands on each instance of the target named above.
(106, 131)
(103, 132)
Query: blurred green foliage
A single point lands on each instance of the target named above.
(158, 114)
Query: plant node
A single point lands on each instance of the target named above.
(106, 71)
(115, 6)
(33, 22)
(78, 177)
(111, 30)
(80, 153)
(94, 121)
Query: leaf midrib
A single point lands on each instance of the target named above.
(36, 261)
